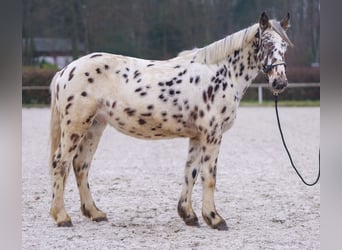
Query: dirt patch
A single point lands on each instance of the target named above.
(138, 183)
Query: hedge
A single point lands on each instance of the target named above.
(42, 77)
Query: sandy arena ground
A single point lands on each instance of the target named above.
(138, 183)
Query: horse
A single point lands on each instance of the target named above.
(194, 95)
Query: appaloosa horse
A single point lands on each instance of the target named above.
(194, 95)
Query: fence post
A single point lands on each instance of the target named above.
(260, 94)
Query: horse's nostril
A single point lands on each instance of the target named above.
(279, 84)
(274, 83)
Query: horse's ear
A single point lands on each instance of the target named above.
(285, 22)
(263, 22)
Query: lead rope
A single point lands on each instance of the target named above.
(288, 153)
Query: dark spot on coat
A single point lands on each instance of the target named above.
(194, 172)
(84, 93)
(210, 91)
(141, 121)
(67, 107)
(223, 109)
(206, 158)
(71, 74)
(70, 98)
(130, 112)
(204, 96)
(95, 55)
(74, 138)
(136, 74)
(54, 164)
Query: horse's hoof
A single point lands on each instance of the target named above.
(64, 224)
(192, 222)
(221, 226)
(100, 219)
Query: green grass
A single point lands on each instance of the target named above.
(285, 103)
(265, 103)
(35, 105)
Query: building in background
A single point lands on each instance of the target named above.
(57, 51)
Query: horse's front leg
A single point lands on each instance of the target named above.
(192, 169)
(208, 175)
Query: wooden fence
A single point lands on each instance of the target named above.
(259, 86)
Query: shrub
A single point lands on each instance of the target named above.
(32, 76)
(298, 74)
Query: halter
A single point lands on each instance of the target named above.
(267, 68)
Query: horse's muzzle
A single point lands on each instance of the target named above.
(279, 85)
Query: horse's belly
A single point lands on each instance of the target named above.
(149, 127)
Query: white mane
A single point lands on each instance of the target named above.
(220, 49)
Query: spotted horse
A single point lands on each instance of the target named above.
(194, 95)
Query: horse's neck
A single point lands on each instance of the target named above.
(244, 66)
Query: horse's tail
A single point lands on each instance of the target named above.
(55, 128)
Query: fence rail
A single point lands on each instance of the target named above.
(260, 86)
(35, 87)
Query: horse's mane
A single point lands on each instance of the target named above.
(218, 50)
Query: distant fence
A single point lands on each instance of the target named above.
(259, 86)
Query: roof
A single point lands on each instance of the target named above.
(53, 44)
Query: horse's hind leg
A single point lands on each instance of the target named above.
(192, 169)
(81, 164)
(60, 167)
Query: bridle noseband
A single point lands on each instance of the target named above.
(267, 68)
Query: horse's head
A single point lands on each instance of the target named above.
(273, 45)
